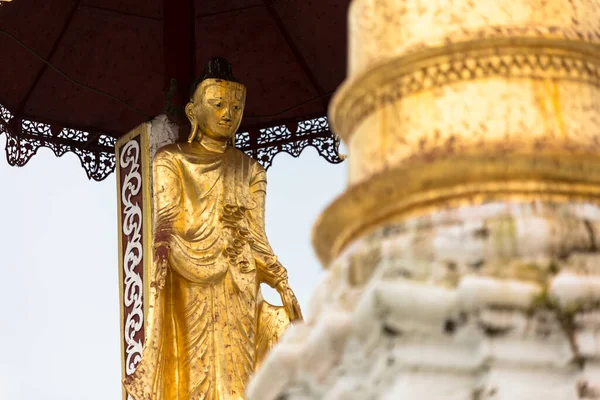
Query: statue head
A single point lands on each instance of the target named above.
(217, 103)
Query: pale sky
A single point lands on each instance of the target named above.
(59, 298)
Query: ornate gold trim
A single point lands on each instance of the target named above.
(401, 76)
(148, 211)
(423, 187)
(120, 257)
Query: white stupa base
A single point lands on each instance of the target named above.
(498, 301)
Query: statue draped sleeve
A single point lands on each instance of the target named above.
(272, 320)
(270, 271)
(167, 197)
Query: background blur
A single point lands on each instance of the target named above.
(59, 299)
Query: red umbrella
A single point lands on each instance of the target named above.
(78, 74)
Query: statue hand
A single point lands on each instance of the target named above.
(161, 251)
(161, 255)
(290, 303)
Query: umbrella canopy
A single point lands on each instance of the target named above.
(78, 74)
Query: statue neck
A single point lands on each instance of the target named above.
(214, 145)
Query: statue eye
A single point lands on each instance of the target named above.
(236, 108)
(218, 105)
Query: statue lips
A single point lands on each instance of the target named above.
(226, 126)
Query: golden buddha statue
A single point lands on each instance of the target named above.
(208, 326)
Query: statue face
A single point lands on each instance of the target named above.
(217, 108)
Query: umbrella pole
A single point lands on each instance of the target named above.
(179, 45)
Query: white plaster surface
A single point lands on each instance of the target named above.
(481, 331)
(162, 133)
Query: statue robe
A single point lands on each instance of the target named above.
(207, 326)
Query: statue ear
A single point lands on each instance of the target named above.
(189, 112)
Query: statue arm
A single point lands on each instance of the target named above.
(269, 268)
(167, 196)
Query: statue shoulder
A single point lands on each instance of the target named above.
(169, 156)
(173, 151)
(254, 165)
(166, 150)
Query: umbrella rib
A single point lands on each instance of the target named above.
(301, 60)
(40, 73)
(200, 16)
(68, 78)
(322, 96)
(122, 13)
